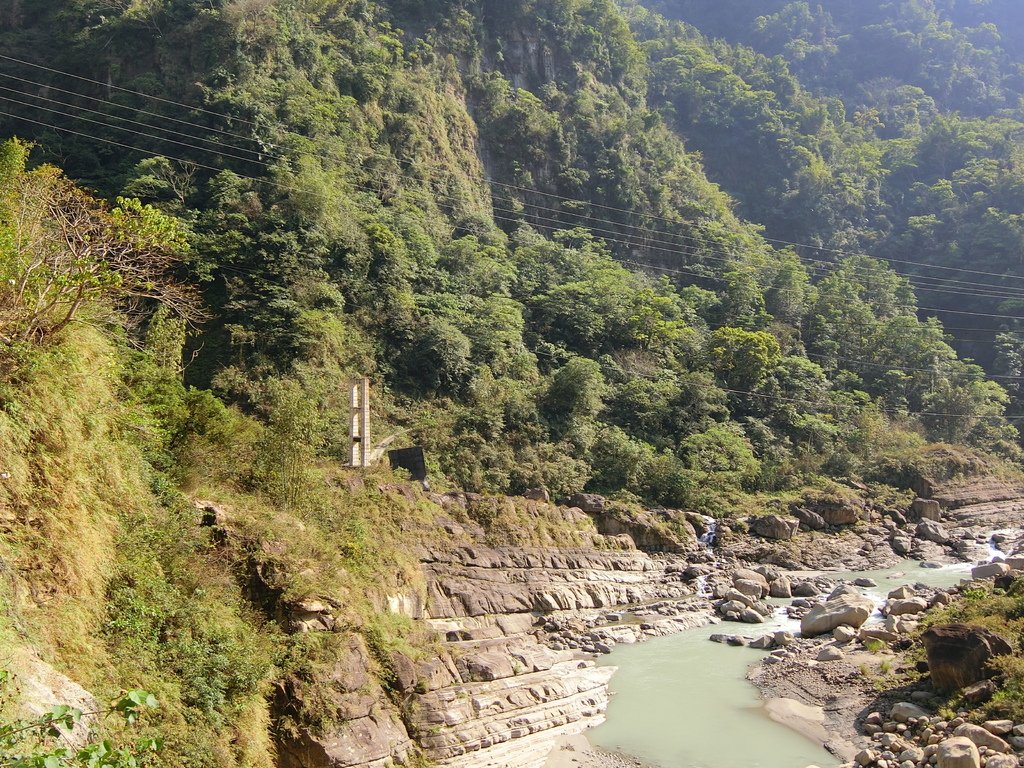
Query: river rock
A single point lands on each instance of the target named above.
(901, 545)
(844, 589)
(865, 582)
(773, 527)
(735, 595)
(925, 509)
(929, 530)
(783, 638)
(958, 654)
(750, 616)
(998, 727)
(901, 593)
(755, 589)
(844, 634)
(845, 610)
(830, 653)
(780, 587)
(1002, 761)
(746, 574)
(904, 710)
(990, 570)
(957, 753)
(809, 519)
(806, 589)
(908, 607)
(981, 737)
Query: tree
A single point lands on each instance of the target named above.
(743, 358)
(62, 249)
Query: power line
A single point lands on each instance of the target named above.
(127, 90)
(291, 187)
(537, 192)
(989, 291)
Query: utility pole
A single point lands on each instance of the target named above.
(359, 422)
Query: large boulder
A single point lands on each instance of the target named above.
(809, 519)
(906, 607)
(845, 610)
(959, 654)
(746, 574)
(990, 570)
(839, 515)
(929, 530)
(925, 509)
(901, 545)
(774, 527)
(981, 737)
(957, 752)
(754, 589)
(781, 587)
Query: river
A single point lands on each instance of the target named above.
(684, 702)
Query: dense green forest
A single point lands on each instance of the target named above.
(501, 213)
(695, 255)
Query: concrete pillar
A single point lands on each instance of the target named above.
(359, 422)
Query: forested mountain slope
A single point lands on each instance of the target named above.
(889, 127)
(535, 225)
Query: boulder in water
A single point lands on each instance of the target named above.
(780, 587)
(845, 610)
(990, 570)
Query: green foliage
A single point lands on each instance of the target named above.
(42, 741)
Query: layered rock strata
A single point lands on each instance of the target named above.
(497, 695)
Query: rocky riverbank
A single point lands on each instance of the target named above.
(511, 681)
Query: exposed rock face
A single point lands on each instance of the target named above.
(774, 527)
(480, 581)
(364, 732)
(496, 696)
(843, 610)
(590, 503)
(987, 490)
(958, 654)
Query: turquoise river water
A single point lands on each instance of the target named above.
(684, 702)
